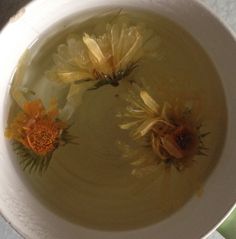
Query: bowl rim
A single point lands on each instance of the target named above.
(198, 3)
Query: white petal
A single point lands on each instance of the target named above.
(150, 102)
(165, 114)
(129, 125)
(58, 60)
(115, 36)
(73, 100)
(135, 111)
(118, 50)
(139, 162)
(145, 127)
(130, 56)
(19, 78)
(63, 51)
(70, 77)
(94, 48)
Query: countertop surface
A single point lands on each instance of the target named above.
(226, 9)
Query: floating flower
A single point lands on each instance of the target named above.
(36, 133)
(172, 132)
(105, 58)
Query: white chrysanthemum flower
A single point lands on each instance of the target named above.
(106, 58)
(171, 132)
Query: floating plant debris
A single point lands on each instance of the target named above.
(36, 133)
(172, 132)
(107, 58)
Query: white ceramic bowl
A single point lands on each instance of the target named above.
(198, 217)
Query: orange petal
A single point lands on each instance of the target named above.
(53, 109)
(34, 108)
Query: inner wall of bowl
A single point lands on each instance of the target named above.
(60, 204)
(28, 215)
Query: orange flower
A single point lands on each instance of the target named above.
(36, 128)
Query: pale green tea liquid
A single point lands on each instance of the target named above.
(91, 184)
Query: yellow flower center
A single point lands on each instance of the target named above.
(42, 137)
